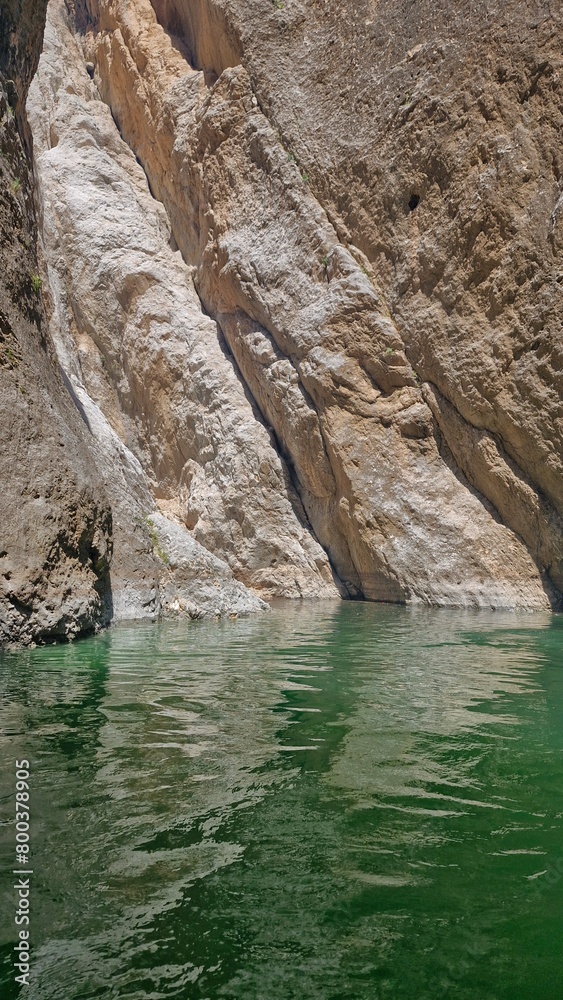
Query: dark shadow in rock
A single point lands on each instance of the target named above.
(74, 397)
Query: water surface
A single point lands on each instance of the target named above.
(326, 802)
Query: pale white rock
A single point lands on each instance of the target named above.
(174, 425)
(195, 581)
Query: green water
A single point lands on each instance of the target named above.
(326, 802)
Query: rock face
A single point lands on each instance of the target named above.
(369, 208)
(304, 270)
(174, 429)
(72, 491)
(55, 528)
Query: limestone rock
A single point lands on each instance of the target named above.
(363, 211)
(173, 424)
(55, 523)
(198, 583)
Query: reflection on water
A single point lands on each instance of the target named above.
(340, 801)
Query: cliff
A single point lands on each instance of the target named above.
(55, 535)
(303, 275)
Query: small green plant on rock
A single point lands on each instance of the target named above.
(15, 185)
(155, 540)
(8, 358)
(36, 283)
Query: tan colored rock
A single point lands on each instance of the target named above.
(344, 318)
(431, 135)
(174, 425)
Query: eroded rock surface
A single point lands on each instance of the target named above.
(175, 430)
(303, 275)
(55, 522)
(370, 203)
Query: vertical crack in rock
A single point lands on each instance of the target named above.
(205, 34)
(482, 459)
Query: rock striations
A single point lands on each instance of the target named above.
(304, 279)
(168, 405)
(55, 524)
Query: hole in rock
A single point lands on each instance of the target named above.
(414, 200)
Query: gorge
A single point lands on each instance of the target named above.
(281, 394)
(281, 308)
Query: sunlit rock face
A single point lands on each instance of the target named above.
(175, 429)
(304, 266)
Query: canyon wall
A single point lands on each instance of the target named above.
(303, 275)
(55, 526)
(368, 209)
(82, 539)
(177, 435)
